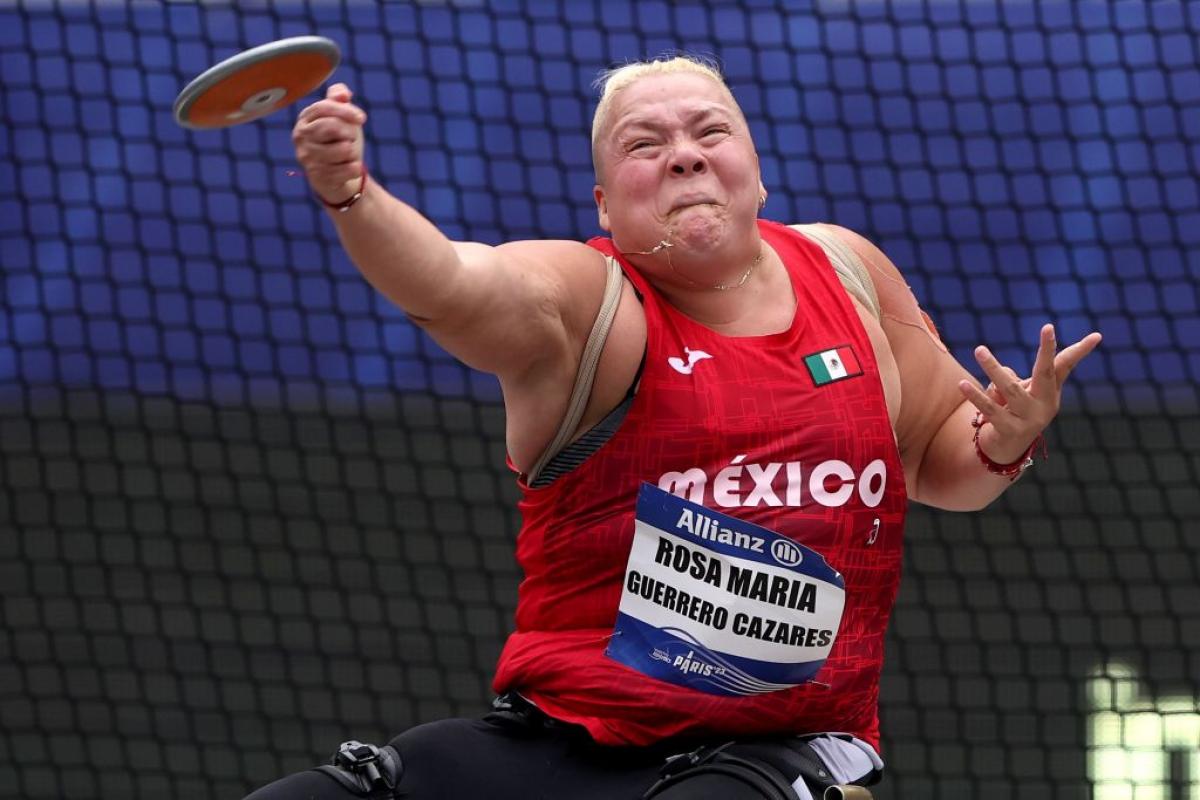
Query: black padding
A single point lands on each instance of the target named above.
(312, 784)
(693, 776)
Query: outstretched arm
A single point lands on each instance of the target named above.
(939, 398)
(504, 310)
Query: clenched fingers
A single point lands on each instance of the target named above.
(328, 139)
(332, 109)
(325, 131)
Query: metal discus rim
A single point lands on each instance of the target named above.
(316, 56)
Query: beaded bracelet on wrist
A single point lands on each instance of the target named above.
(1011, 471)
(347, 204)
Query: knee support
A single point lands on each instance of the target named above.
(365, 770)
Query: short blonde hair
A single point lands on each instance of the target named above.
(611, 81)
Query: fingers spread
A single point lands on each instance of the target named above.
(995, 395)
(1045, 379)
(1019, 407)
(1005, 380)
(1067, 360)
(990, 408)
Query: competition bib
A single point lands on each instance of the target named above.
(721, 605)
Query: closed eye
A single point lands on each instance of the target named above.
(640, 144)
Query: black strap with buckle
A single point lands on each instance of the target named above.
(365, 769)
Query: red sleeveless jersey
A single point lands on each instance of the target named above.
(789, 431)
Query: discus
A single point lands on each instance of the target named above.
(256, 82)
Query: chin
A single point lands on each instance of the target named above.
(699, 232)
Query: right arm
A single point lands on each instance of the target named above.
(507, 310)
(521, 311)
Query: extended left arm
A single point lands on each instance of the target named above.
(940, 399)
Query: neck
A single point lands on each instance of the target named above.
(760, 303)
(737, 283)
(724, 269)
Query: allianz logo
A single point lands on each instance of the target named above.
(832, 484)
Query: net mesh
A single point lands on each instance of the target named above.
(247, 511)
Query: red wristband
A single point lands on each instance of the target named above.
(345, 206)
(1010, 471)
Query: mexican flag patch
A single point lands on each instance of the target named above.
(833, 365)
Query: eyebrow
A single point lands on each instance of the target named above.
(691, 117)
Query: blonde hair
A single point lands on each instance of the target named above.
(611, 81)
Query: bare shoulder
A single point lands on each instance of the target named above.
(574, 273)
(551, 252)
(536, 399)
(876, 261)
(897, 302)
(555, 256)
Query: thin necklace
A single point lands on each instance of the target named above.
(720, 287)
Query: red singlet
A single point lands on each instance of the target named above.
(760, 431)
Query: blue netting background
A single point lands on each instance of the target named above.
(248, 511)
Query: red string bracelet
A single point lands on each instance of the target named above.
(346, 205)
(1013, 470)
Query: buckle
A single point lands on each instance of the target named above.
(679, 762)
(361, 760)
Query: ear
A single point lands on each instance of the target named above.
(762, 189)
(601, 207)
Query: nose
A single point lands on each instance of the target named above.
(686, 159)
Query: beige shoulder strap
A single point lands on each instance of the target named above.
(849, 267)
(587, 368)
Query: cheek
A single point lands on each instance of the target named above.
(736, 171)
(638, 187)
(735, 158)
(638, 177)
